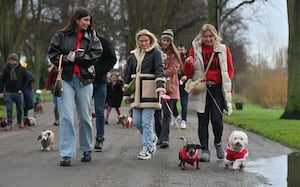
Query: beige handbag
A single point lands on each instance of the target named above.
(58, 87)
(197, 86)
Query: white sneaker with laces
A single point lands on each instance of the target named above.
(153, 150)
(145, 154)
(183, 124)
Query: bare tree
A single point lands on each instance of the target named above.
(12, 27)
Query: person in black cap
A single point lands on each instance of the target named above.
(14, 78)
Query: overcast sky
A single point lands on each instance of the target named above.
(269, 29)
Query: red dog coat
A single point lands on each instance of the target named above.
(232, 155)
(186, 158)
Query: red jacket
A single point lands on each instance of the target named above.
(214, 72)
(51, 78)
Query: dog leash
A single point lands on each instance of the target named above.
(172, 117)
(217, 105)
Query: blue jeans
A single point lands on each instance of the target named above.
(10, 98)
(99, 99)
(75, 93)
(143, 119)
(184, 98)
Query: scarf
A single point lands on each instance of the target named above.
(13, 75)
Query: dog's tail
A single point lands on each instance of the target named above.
(183, 138)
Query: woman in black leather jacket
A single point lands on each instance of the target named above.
(80, 47)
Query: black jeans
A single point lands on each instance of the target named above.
(162, 120)
(212, 113)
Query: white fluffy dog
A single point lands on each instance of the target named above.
(47, 140)
(236, 151)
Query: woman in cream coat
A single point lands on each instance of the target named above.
(145, 66)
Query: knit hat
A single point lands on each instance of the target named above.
(168, 34)
(13, 56)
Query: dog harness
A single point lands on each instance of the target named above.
(232, 155)
(186, 158)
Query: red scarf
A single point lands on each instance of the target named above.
(232, 155)
(187, 158)
(79, 36)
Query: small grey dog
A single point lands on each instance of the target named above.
(47, 140)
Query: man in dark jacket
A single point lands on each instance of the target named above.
(13, 81)
(106, 63)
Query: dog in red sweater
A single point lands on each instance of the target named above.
(236, 151)
(189, 154)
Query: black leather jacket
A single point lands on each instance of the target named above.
(63, 42)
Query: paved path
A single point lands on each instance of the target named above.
(23, 164)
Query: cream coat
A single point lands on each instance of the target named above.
(197, 102)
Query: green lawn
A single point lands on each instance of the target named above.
(266, 122)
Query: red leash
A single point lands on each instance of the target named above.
(217, 105)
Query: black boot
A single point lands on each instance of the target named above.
(86, 156)
(66, 161)
(99, 144)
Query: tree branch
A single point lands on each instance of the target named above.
(230, 11)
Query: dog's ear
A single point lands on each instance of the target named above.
(39, 137)
(198, 146)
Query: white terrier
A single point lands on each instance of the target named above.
(236, 151)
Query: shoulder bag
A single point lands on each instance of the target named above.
(197, 86)
(58, 86)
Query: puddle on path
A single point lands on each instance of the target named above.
(279, 171)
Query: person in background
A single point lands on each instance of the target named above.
(216, 97)
(28, 95)
(114, 95)
(146, 67)
(14, 81)
(183, 94)
(51, 78)
(172, 66)
(105, 63)
(81, 49)
(37, 101)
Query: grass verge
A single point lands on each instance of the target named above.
(267, 123)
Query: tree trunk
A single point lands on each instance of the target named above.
(12, 28)
(211, 16)
(292, 110)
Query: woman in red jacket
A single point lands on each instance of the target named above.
(210, 103)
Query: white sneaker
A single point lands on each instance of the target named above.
(183, 124)
(154, 145)
(145, 154)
